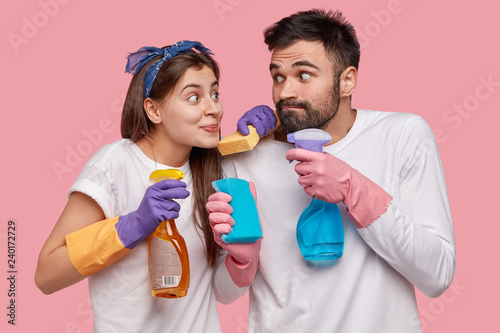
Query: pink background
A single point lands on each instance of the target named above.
(63, 84)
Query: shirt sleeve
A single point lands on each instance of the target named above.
(225, 290)
(94, 182)
(415, 235)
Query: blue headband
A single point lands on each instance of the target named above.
(137, 60)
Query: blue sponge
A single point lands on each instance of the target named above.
(246, 227)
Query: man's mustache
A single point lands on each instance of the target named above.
(292, 102)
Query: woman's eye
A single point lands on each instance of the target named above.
(305, 76)
(278, 78)
(193, 98)
(215, 95)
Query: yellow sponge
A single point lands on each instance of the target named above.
(237, 142)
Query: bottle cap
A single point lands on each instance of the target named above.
(159, 175)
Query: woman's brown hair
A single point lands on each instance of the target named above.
(204, 163)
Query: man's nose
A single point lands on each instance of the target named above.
(288, 90)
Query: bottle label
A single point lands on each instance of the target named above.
(165, 265)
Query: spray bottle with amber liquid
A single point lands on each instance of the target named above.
(168, 256)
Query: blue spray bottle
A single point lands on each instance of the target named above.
(320, 231)
(246, 227)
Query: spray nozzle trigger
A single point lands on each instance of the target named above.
(312, 139)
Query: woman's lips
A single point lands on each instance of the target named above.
(211, 128)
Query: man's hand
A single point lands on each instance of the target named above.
(330, 179)
(242, 260)
(261, 117)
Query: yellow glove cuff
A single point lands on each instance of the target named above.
(95, 247)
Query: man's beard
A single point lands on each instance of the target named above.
(312, 117)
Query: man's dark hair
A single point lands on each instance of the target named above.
(330, 28)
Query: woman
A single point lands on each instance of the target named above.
(171, 119)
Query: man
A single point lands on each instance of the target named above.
(382, 169)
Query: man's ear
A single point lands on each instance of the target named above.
(348, 81)
(152, 111)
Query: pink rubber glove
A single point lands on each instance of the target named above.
(327, 178)
(243, 259)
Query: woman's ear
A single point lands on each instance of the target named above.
(348, 81)
(152, 111)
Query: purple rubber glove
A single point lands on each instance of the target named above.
(330, 179)
(156, 206)
(261, 117)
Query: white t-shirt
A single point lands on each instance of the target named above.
(116, 177)
(371, 288)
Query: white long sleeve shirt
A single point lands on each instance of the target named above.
(371, 288)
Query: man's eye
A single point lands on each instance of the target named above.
(278, 78)
(305, 76)
(193, 98)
